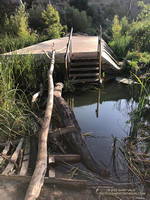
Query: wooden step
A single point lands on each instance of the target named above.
(85, 63)
(89, 80)
(84, 75)
(84, 69)
(84, 55)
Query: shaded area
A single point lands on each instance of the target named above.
(13, 189)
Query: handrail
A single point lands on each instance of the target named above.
(68, 52)
(100, 54)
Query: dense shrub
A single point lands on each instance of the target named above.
(121, 38)
(9, 43)
(140, 29)
(138, 61)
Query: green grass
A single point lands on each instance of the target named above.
(10, 43)
(19, 79)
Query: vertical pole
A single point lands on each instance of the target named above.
(68, 53)
(71, 41)
(100, 55)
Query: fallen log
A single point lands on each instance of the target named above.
(74, 140)
(37, 179)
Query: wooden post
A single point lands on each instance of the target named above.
(70, 49)
(37, 179)
(100, 55)
(68, 53)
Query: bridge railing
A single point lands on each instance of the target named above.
(100, 53)
(68, 53)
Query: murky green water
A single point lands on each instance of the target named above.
(104, 114)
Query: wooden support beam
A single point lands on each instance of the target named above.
(85, 80)
(84, 69)
(51, 171)
(84, 75)
(69, 158)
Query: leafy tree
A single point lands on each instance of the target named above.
(125, 26)
(97, 16)
(16, 32)
(140, 29)
(121, 39)
(79, 4)
(35, 18)
(51, 19)
(116, 27)
(21, 18)
(5, 9)
(79, 20)
(17, 24)
(145, 11)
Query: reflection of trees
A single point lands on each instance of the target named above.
(70, 101)
(125, 105)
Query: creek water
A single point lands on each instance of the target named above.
(104, 115)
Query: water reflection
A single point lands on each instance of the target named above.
(98, 103)
(105, 113)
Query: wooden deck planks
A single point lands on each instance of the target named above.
(9, 168)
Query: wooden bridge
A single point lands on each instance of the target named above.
(85, 57)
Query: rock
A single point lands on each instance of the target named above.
(125, 80)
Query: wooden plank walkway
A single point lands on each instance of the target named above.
(15, 157)
(82, 47)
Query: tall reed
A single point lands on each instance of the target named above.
(18, 80)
